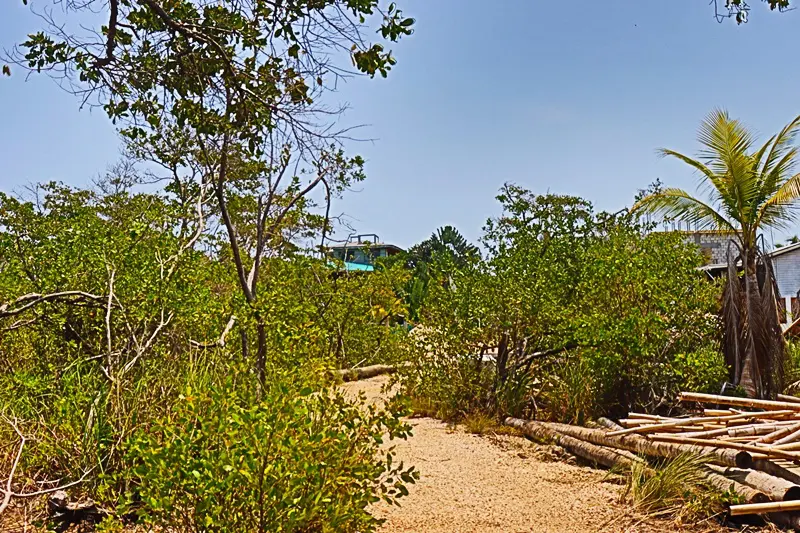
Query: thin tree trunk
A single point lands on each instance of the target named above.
(261, 353)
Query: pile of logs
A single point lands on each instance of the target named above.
(751, 447)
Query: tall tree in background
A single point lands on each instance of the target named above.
(749, 190)
(223, 96)
(447, 246)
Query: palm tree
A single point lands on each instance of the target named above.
(748, 190)
(447, 241)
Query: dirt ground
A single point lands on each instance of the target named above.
(506, 484)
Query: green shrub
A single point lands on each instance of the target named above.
(571, 392)
(297, 459)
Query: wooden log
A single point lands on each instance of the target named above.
(764, 508)
(608, 423)
(606, 456)
(355, 374)
(769, 451)
(639, 445)
(716, 479)
(738, 402)
(776, 468)
(787, 398)
(698, 420)
(775, 488)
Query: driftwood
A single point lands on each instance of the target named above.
(355, 374)
(774, 488)
(639, 445)
(608, 423)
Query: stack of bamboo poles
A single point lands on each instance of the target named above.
(751, 447)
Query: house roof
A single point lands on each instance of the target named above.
(785, 249)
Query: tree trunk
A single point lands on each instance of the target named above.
(750, 379)
(774, 487)
(261, 354)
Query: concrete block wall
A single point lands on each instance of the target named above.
(713, 244)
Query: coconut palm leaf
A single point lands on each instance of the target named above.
(677, 203)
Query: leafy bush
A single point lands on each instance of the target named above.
(84, 375)
(297, 459)
(584, 313)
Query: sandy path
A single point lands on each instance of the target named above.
(471, 483)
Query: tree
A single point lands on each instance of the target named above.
(447, 248)
(749, 190)
(740, 9)
(445, 240)
(223, 96)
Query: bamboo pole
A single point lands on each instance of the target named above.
(794, 457)
(738, 402)
(791, 437)
(717, 412)
(787, 398)
(640, 445)
(772, 437)
(698, 420)
(764, 508)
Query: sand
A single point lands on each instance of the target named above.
(492, 483)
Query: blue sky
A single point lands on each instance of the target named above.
(570, 97)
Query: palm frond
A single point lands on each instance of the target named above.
(681, 205)
(719, 185)
(781, 209)
(727, 143)
(781, 144)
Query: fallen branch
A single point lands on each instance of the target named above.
(8, 493)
